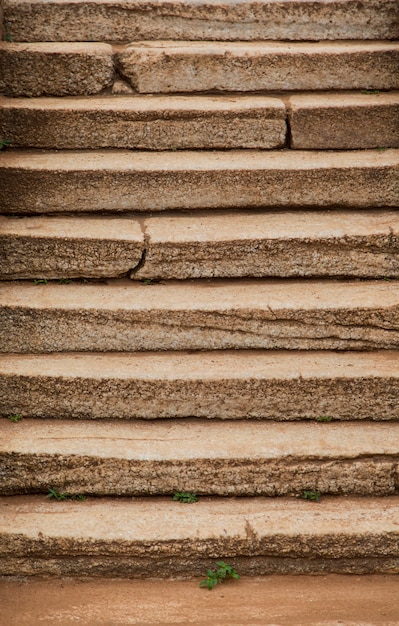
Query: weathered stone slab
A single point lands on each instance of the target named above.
(219, 384)
(313, 243)
(59, 247)
(55, 69)
(124, 180)
(37, 20)
(344, 122)
(211, 458)
(123, 316)
(265, 536)
(164, 67)
(144, 122)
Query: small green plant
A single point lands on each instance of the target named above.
(147, 281)
(7, 33)
(185, 496)
(324, 418)
(15, 418)
(40, 281)
(386, 278)
(214, 577)
(313, 496)
(381, 149)
(370, 92)
(4, 143)
(64, 281)
(58, 495)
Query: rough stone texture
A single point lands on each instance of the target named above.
(35, 20)
(54, 69)
(155, 538)
(123, 316)
(358, 601)
(322, 243)
(227, 385)
(239, 458)
(144, 122)
(163, 67)
(123, 180)
(63, 247)
(344, 122)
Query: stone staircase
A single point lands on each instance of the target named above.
(200, 266)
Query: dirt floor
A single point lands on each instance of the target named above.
(269, 601)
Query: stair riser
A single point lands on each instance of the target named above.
(188, 567)
(97, 476)
(52, 397)
(358, 180)
(112, 21)
(94, 330)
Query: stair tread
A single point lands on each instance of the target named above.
(265, 19)
(193, 440)
(314, 601)
(99, 525)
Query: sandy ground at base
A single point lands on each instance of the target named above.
(331, 600)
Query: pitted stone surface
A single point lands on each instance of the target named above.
(167, 67)
(54, 69)
(108, 20)
(145, 122)
(141, 181)
(219, 384)
(337, 122)
(144, 537)
(211, 458)
(123, 316)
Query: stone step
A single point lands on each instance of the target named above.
(163, 67)
(327, 121)
(145, 122)
(122, 180)
(313, 243)
(158, 538)
(333, 121)
(200, 315)
(197, 456)
(38, 20)
(314, 601)
(61, 69)
(220, 384)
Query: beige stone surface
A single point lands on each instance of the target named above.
(123, 180)
(313, 243)
(259, 601)
(221, 384)
(163, 67)
(342, 122)
(214, 458)
(199, 315)
(54, 69)
(144, 122)
(35, 20)
(59, 247)
(142, 537)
